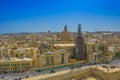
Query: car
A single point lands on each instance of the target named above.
(15, 79)
(22, 71)
(28, 76)
(72, 67)
(5, 72)
(52, 71)
(18, 72)
(20, 78)
(2, 76)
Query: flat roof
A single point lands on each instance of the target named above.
(64, 45)
(15, 59)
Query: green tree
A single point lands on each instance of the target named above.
(117, 54)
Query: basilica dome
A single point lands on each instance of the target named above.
(65, 35)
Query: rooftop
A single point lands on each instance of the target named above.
(64, 45)
(15, 59)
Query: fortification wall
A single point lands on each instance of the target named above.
(71, 74)
(105, 75)
(80, 73)
(85, 72)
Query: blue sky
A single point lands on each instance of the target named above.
(44, 15)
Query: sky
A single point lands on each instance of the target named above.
(43, 15)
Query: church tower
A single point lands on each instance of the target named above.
(79, 45)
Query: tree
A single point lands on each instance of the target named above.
(16, 55)
(117, 54)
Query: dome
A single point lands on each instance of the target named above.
(65, 35)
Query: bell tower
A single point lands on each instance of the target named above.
(79, 45)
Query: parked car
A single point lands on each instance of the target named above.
(2, 76)
(72, 67)
(15, 79)
(52, 71)
(28, 76)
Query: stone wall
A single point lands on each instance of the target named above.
(78, 74)
(72, 74)
(105, 75)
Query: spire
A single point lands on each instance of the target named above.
(79, 28)
(65, 27)
(79, 45)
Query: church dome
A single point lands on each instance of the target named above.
(65, 35)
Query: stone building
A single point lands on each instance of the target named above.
(51, 58)
(15, 64)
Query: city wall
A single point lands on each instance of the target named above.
(86, 72)
(70, 75)
(80, 73)
(106, 76)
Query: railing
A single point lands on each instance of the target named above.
(80, 63)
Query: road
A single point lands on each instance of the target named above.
(57, 73)
(16, 76)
